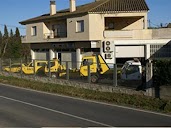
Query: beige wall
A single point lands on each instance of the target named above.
(94, 26)
(139, 24)
(163, 33)
(39, 35)
(46, 29)
(72, 35)
(131, 21)
(124, 23)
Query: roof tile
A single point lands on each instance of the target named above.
(101, 6)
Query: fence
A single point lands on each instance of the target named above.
(115, 79)
(67, 70)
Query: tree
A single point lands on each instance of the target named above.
(5, 41)
(0, 42)
(9, 49)
(17, 46)
(11, 45)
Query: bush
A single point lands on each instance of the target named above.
(168, 107)
(162, 72)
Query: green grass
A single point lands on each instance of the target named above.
(136, 101)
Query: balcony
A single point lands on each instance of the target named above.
(162, 33)
(53, 36)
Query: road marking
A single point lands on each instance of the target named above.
(91, 101)
(59, 112)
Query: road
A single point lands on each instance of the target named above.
(27, 108)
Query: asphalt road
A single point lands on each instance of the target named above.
(27, 108)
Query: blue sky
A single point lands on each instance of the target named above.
(14, 11)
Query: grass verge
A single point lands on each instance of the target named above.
(137, 101)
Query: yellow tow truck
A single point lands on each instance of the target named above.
(56, 69)
(14, 68)
(39, 66)
(30, 69)
(97, 64)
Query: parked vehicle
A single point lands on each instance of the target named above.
(56, 69)
(97, 64)
(32, 68)
(15, 68)
(131, 70)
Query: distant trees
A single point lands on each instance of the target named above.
(11, 46)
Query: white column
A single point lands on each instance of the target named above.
(147, 51)
(78, 57)
(33, 56)
(56, 55)
(146, 21)
(51, 54)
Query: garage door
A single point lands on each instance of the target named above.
(129, 51)
(42, 55)
(68, 56)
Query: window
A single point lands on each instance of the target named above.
(59, 30)
(87, 61)
(132, 69)
(34, 31)
(41, 63)
(80, 26)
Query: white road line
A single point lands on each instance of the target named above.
(55, 111)
(91, 101)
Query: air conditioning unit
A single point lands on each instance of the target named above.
(108, 46)
(108, 56)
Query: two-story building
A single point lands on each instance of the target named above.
(75, 32)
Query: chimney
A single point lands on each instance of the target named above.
(52, 7)
(72, 6)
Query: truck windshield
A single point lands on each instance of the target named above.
(51, 64)
(87, 61)
(125, 66)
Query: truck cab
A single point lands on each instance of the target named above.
(97, 65)
(131, 70)
(30, 69)
(56, 69)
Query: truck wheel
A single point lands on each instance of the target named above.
(94, 79)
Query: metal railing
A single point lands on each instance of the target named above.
(55, 35)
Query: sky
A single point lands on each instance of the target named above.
(14, 11)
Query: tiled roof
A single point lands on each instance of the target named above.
(101, 6)
(121, 6)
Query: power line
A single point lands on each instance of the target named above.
(12, 26)
(151, 23)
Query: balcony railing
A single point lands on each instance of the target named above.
(162, 33)
(52, 35)
(118, 34)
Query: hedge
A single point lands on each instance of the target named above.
(162, 72)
